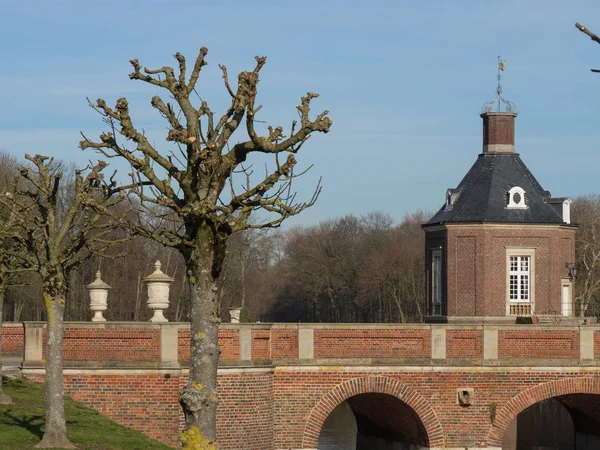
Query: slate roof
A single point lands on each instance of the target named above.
(482, 195)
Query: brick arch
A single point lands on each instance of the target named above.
(536, 394)
(375, 385)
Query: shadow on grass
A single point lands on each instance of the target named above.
(32, 424)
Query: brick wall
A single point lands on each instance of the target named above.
(245, 411)
(136, 343)
(464, 343)
(298, 396)
(261, 344)
(149, 404)
(498, 129)
(372, 343)
(538, 344)
(283, 406)
(476, 267)
(286, 343)
(229, 341)
(12, 339)
(112, 344)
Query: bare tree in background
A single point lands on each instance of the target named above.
(352, 269)
(196, 184)
(59, 237)
(586, 213)
(13, 257)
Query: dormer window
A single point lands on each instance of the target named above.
(451, 197)
(566, 210)
(516, 198)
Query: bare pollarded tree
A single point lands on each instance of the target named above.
(59, 236)
(196, 184)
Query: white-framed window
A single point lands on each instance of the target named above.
(436, 282)
(520, 281)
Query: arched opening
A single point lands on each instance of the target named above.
(564, 422)
(373, 421)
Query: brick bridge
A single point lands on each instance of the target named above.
(426, 386)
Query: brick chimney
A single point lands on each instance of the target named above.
(498, 132)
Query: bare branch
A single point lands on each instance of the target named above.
(583, 29)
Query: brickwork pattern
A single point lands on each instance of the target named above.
(498, 130)
(229, 341)
(476, 267)
(286, 343)
(538, 344)
(373, 384)
(282, 407)
(149, 404)
(299, 404)
(127, 344)
(12, 340)
(544, 390)
(369, 343)
(464, 344)
(261, 344)
(245, 411)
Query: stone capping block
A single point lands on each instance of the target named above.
(438, 343)
(586, 342)
(306, 343)
(33, 343)
(490, 343)
(245, 343)
(168, 343)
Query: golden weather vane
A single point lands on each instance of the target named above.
(499, 100)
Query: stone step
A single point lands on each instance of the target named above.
(12, 372)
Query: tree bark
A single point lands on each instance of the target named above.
(4, 399)
(199, 398)
(55, 434)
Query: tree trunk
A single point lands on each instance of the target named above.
(55, 434)
(4, 399)
(199, 398)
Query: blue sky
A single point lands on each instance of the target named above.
(403, 80)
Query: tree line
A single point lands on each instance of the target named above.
(346, 269)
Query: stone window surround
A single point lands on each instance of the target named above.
(521, 251)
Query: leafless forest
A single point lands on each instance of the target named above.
(347, 269)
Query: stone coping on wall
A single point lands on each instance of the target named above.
(166, 345)
(317, 326)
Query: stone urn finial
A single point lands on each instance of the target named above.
(98, 297)
(158, 292)
(235, 313)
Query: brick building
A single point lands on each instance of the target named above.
(500, 246)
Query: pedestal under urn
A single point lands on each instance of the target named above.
(158, 292)
(98, 297)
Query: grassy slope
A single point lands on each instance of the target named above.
(22, 424)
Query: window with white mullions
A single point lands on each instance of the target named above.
(519, 279)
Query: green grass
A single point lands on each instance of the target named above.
(22, 424)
